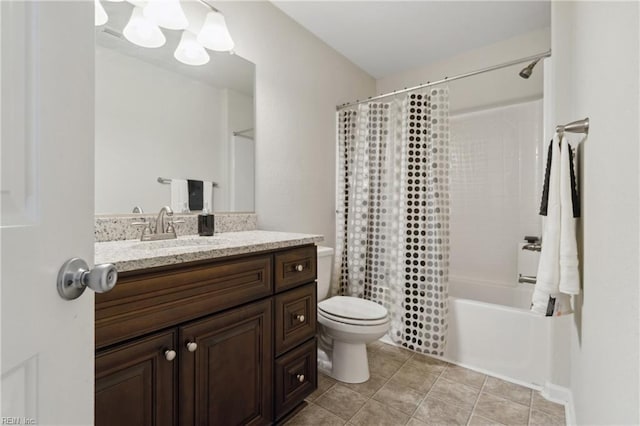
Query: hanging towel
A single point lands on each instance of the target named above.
(558, 275)
(207, 196)
(195, 194)
(179, 196)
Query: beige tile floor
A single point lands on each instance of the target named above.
(407, 388)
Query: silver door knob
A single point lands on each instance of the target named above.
(300, 318)
(75, 276)
(192, 346)
(300, 377)
(170, 354)
(299, 267)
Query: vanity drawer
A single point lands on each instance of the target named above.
(150, 301)
(295, 317)
(294, 267)
(296, 377)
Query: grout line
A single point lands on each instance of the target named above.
(530, 408)
(473, 409)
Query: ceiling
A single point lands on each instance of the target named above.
(222, 71)
(386, 37)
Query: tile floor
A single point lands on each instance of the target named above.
(407, 388)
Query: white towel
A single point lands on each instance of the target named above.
(569, 274)
(548, 274)
(558, 267)
(207, 194)
(179, 196)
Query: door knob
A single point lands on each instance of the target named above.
(300, 377)
(299, 267)
(75, 276)
(170, 354)
(192, 346)
(299, 318)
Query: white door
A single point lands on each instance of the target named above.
(46, 123)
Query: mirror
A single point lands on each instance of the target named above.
(159, 118)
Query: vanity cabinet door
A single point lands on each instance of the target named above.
(135, 383)
(226, 368)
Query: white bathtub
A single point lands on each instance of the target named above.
(492, 330)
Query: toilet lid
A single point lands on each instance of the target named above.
(352, 308)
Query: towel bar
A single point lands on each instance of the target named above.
(168, 181)
(579, 126)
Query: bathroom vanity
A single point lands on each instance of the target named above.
(207, 332)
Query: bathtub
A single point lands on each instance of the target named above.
(492, 330)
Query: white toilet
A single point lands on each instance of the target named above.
(347, 324)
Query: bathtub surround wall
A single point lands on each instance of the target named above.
(596, 64)
(496, 180)
(119, 227)
(299, 81)
(392, 235)
(500, 87)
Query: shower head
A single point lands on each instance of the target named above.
(526, 71)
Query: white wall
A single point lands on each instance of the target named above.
(490, 89)
(241, 163)
(168, 125)
(596, 70)
(299, 81)
(496, 178)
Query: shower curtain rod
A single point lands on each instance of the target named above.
(446, 79)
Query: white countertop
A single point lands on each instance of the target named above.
(131, 255)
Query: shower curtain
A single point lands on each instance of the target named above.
(392, 243)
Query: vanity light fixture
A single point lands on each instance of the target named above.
(143, 28)
(214, 34)
(167, 14)
(142, 31)
(101, 16)
(189, 51)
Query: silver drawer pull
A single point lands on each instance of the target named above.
(299, 267)
(192, 346)
(300, 377)
(170, 354)
(299, 318)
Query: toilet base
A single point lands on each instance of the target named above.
(349, 362)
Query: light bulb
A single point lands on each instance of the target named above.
(214, 34)
(167, 14)
(189, 51)
(101, 16)
(142, 31)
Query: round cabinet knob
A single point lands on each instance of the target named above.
(192, 346)
(170, 354)
(300, 377)
(299, 267)
(300, 318)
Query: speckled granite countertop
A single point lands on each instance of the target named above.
(131, 255)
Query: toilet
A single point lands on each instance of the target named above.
(346, 325)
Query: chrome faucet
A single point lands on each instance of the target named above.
(159, 231)
(160, 219)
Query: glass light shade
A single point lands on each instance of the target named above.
(167, 14)
(101, 16)
(189, 51)
(142, 31)
(214, 34)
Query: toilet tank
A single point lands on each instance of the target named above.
(325, 259)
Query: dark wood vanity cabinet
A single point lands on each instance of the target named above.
(208, 343)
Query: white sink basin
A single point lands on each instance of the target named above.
(181, 243)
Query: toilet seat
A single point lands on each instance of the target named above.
(352, 310)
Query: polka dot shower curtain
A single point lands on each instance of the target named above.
(392, 244)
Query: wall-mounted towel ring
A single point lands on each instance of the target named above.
(579, 126)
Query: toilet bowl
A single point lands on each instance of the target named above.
(346, 325)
